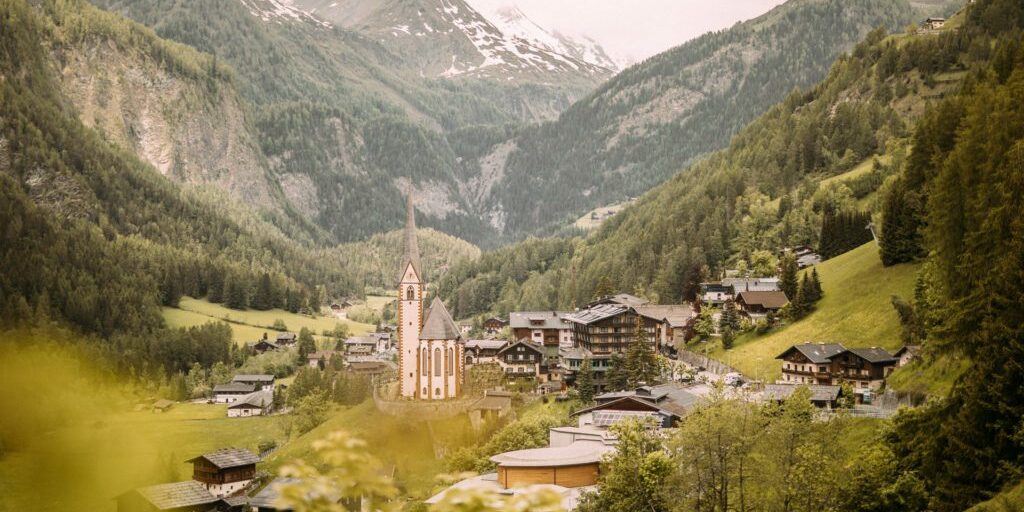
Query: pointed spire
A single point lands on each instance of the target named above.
(411, 249)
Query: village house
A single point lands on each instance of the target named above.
(715, 294)
(493, 405)
(225, 472)
(521, 359)
(465, 327)
(757, 305)
(286, 339)
(371, 367)
(314, 359)
(494, 324)
(550, 328)
(805, 255)
(832, 364)
(362, 345)
(232, 391)
(674, 323)
(665, 404)
(907, 354)
(260, 381)
(933, 23)
(258, 403)
(622, 299)
(483, 351)
(187, 496)
(752, 284)
(822, 396)
(262, 346)
(571, 360)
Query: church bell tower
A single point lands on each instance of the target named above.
(410, 306)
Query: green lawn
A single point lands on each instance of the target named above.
(88, 464)
(855, 311)
(1010, 500)
(377, 302)
(250, 325)
(930, 377)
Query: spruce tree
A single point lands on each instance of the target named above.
(605, 287)
(264, 297)
(585, 381)
(816, 286)
(641, 363)
(730, 316)
(616, 377)
(788, 277)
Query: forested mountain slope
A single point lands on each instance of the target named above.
(763, 192)
(658, 116)
(94, 236)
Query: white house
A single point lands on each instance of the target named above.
(257, 403)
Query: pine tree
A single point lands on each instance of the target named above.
(641, 363)
(616, 377)
(816, 286)
(235, 295)
(730, 316)
(585, 381)
(605, 287)
(307, 344)
(788, 277)
(728, 337)
(264, 297)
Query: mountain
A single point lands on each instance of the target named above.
(512, 21)
(660, 115)
(448, 38)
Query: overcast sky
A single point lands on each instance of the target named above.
(635, 29)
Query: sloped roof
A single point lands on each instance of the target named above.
(676, 315)
(623, 299)
(189, 493)
(577, 453)
(229, 458)
(819, 393)
(267, 497)
(486, 344)
(410, 245)
(539, 320)
(815, 352)
(261, 399)
(752, 284)
(772, 300)
(524, 342)
(262, 377)
(439, 324)
(911, 349)
(597, 313)
(234, 387)
(874, 354)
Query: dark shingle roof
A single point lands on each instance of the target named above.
(874, 354)
(259, 399)
(815, 352)
(189, 493)
(771, 300)
(439, 324)
(229, 458)
(485, 344)
(524, 342)
(677, 315)
(234, 387)
(267, 497)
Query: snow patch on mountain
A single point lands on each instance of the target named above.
(279, 11)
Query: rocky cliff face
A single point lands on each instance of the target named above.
(194, 132)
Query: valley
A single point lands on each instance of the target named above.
(387, 255)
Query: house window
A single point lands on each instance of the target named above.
(410, 293)
(437, 362)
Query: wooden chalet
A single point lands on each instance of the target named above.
(605, 329)
(483, 351)
(521, 359)
(225, 472)
(832, 364)
(550, 328)
(494, 324)
(758, 304)
(187, 496)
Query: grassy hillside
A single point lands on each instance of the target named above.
(855, 311)
(1010, 500)
(250, 325)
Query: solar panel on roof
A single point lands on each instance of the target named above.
(609, 418)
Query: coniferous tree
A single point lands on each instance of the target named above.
(585, 381)
(730, 316)
(616, 377)
(788, 278)
(307, 344)
(263, 299)
(728, 337)
(641, 362)
(605, 287)
(235, 294)
(816, 286)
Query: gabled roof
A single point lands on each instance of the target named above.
(410, 246)
(234, 387)
(524, 342)
(439, 324)
(286, 336)
(369, 339)
(623, 299)
(228, 458)
(262, 377)
(321, 354)
(771, 300)
(539, 320)
(752, 284)
(189, 493)
(267, 497)
(815, 352)
(265, 342)
(261, 399)
(874, 355)
(485, 344)
(597, 313)
(908, 349)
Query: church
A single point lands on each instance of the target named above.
(431, 363)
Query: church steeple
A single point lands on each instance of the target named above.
(411, 249)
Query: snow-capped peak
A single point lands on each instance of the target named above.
(281, 10)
